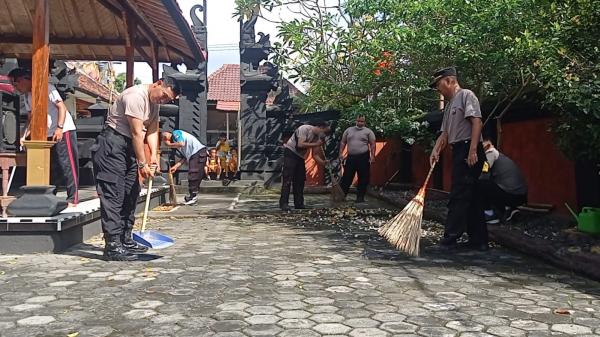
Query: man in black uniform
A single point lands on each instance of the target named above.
(118, 155)
(294, 170)
(501, 185)
(461, 128)
(360, 141)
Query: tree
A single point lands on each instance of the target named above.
(376, 57)
(120, 80)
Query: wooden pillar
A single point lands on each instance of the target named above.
(154, 64)
(38, 149)
(129, 48)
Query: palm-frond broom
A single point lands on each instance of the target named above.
(404, 230)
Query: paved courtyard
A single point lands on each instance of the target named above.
(240, 268)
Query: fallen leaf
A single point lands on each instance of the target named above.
(74, 334)
(562, 311)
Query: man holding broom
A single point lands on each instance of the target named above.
(361, 154)
(118, 157)
(461, 128)
(194, 153)
(294, 170)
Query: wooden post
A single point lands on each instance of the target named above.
(40, 61)
(154, 65)
(129, 49)
(38, 149)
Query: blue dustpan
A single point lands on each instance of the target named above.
(151, 239)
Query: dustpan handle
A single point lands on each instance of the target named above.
(147, 205)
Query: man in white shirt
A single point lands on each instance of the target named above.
(61, 129)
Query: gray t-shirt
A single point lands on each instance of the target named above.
(192, 144)
(134, 102)
(358, 139)
(463, 105)
(304, 132)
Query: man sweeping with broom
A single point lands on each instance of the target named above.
(461, 128)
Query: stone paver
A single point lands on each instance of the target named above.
(256, 271)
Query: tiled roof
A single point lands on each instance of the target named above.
(224, 84)
(224, 87)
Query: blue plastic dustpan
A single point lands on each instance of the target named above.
(153, 239)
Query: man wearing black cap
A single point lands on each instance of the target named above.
(461, 128)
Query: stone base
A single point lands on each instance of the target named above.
(58, 233)
(37, 201)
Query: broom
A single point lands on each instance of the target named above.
(404, 230)
(337, 194)
(172, 190)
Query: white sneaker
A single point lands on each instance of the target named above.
(190, 199)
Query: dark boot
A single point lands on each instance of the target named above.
(114, 250)
(130, 245)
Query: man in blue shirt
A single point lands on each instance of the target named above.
(190, 150)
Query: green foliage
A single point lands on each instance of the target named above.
(120, 80)
(376, 57)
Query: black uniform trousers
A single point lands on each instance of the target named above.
(196, 165)
(294, 175)
(358, 163)
(117, 183)
(494, 197)
(65, 164)
(465, 208)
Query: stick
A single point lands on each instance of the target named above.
(147, 205)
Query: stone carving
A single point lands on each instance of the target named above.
(261, 131)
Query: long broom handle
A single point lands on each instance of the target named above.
(147, 205)
(429, 175)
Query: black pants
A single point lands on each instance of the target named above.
(465, 208)
(196, 165)
(117, 183)
(65, 164)
(358, 163)
(496, 198)
(294, 175)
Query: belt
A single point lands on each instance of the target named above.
(108, 131)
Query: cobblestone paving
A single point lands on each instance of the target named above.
(252, 274)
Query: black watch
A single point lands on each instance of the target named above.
(60, 126)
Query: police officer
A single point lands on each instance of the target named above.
(461, 128)
(361, 154)
(118, 158)
(306, 137)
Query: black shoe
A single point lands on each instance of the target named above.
(114, 250)
(301, 207)
(448, 240)
(284, 207)
(480, 247)
(132, 246)
(190, 199)
(360, 200)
